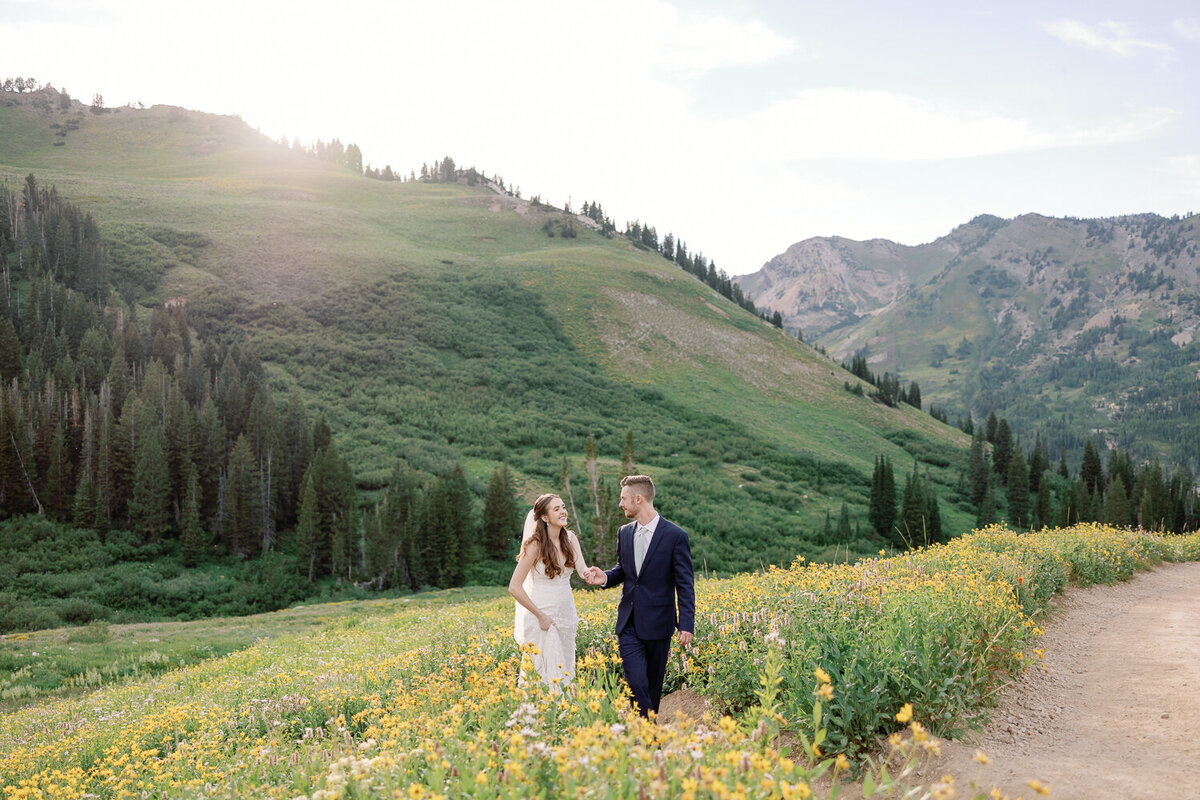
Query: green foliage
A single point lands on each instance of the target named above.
(882, 512)
(1018, 491)
(52, 574)
(501, 518)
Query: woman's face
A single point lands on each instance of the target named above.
(556, 513)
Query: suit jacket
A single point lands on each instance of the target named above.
(648, 599)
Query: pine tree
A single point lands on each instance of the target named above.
(403, 514)
(912, 530)
(882, 509)
(179, 444)
(308, 527)
(1116, 503)
(1082, 501)
(192, 540)
(1042, 513)
(978, 475)
(1091, 470)
(83, 511)
(241, 500)
(987, 509)
(296, 453)
(1074, 504)
(914, 395)
(1018, 491)
(936, 533)
(435, 545)
(1003, 450)
(378, 555)
(501, 524)
(10, 352)
(605, 524)
(1037, 465)
(844, 532)
(335, 494)
(1154, 508)
(1119, 463)
(627, 461)
(59, 479)
(149, 504)
(210, 455)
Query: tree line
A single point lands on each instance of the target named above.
(109, 420)
(1037, 494)
(422, 533)
(1004, 481)
(676, 251)
(114, 420)
(887, 387)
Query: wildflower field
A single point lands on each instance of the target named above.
(425, 701)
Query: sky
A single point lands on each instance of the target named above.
(741, 126)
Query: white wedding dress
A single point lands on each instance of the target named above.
(555, 661)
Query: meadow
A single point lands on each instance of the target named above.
(813, 672)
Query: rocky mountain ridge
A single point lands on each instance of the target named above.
(1002, 314)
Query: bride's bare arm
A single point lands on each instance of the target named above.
(581, 566)
(516, 585)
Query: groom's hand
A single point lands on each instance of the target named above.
(685, 638)
(595, 576)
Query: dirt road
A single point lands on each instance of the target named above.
(1116, 714)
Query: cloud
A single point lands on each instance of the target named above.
(1187, 167)
(1110, 37)
(700, 43)
(1187, 28)
(870, 124)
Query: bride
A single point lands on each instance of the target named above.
(541, 586)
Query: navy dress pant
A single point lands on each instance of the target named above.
(645, 662)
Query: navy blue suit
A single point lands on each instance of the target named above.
(647, 616)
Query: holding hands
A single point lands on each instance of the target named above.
(595, 576)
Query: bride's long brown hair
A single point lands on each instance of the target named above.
(541, 535)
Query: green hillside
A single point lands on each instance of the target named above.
(439, 323)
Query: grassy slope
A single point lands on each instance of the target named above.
(288, 232)
(65, 662)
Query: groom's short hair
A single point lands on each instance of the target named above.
(640, 484)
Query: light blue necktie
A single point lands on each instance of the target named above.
(639, 547)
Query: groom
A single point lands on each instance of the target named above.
(654, 562)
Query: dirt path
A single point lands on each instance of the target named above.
(1116, 714)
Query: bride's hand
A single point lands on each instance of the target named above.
(545, 622)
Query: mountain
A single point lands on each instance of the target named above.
(437, 323)
(1076, 328)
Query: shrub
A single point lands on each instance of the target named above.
(80, 612)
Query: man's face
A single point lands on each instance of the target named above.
(626, 503)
